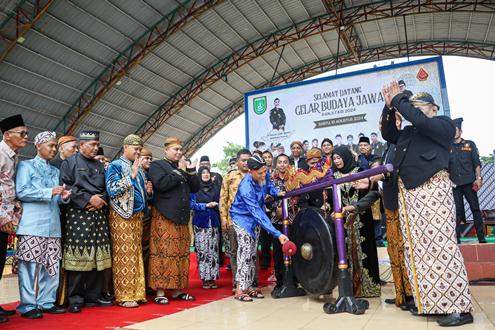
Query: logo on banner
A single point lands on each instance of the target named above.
(259, 105)
(422, 74)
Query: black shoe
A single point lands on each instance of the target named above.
(380, 244)
(455, 319)
(482, 241)
(54, 310)
(98, 303)
(6, 312)
(390, 301)
(4, 320)
(405, 306)
(74, 309)
(414, 310)
(33, 314)
(108, 296)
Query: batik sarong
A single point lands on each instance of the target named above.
(169, 253)
(127, 257)
(87, 241)
(206, 243)
(434, 263)
(395, 251)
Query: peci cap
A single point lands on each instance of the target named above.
(11, 122)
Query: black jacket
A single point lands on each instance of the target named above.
(423, 148)
(390, 189)
(171, 190)
(301, 163)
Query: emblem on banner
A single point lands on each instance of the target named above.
(422, 74)
(259, 105)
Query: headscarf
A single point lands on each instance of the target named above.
(296, 142)
(313, 153)
(65, 139)
(256, 162)
(172, 141)
(44, 137)
(204, 186)
(423, 98)
(347, 158)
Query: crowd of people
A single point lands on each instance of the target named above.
(94, 233)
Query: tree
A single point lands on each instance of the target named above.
(487, 159)
(229, 151)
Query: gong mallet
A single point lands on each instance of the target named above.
(289, 288)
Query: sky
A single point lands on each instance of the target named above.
(469, 87)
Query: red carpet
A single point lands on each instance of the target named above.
(114, 317)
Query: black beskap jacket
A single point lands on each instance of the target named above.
(423, 148)
(171, 190)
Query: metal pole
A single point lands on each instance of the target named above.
(405, 32)
(276, 66)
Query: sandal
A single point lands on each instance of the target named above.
(129, 304)
(255, 293)
(243, 297)
(161, 300)
(213, 285)
(206, 285)
(184, 296)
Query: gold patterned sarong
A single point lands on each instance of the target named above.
(434, 263)
(169, 253)
(127, 257)
(395, 251)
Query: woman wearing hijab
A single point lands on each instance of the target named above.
(361, 245)
(206, 224)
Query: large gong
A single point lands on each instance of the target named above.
(315, 263)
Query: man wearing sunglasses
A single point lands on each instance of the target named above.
(15, 137)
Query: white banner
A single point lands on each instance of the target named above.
(341, 107)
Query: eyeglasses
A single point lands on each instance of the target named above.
(21, 133)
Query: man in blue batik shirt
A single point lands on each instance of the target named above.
(39, 248)
(248, 212)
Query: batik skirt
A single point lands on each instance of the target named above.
(206, 243)
(169, 253)
(434, 263)
(127, 257)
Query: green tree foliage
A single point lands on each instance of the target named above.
(229, 151)
(487, 159)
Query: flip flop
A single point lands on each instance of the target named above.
(184, 296)
(161, 300)
(243, 297)
(255, 293)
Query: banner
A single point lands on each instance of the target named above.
(341, 107)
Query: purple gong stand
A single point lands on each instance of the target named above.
(314, 252)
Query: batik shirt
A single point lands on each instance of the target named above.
(230, 185)
(8, 162)
(127, 195)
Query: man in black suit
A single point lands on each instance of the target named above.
(277, 116)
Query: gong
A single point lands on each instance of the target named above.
(315, 263)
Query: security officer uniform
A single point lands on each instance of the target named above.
(464, 159)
